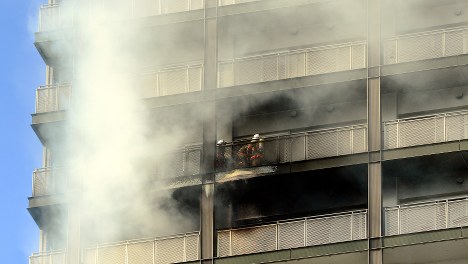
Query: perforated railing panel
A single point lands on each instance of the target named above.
(423, 131)
(328, 230)
(321, 145)
(172, 81)
(46, 100)
(291, 64)
(291, 235)
(359, 228)
(420, 48)
(358, 56)
(359, 140)
(252, 240)
(111, 255)
(140, 253)
(195, 79)
(426, 45)
(89, 256)
(391, 222)
(391, 135)
(224, 243)
(453, 43)
(458, 213)
(419, 218)
(170, 250)
(191, 247)
(226, 74)
(298, 145)
(192, 164)
(173, 6)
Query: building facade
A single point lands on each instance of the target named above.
(361, 110)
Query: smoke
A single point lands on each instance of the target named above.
(112, 147)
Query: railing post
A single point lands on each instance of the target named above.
(446, 214)
(126, 253)
(443, 44)
(398, 220)
(305, 232)
(230, 242)
(277, 66)
(352, 140)
(351, 223)
(445, 128)
(277, 235)
(351, 57)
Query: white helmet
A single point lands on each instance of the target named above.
(220, 142)
(256, 136)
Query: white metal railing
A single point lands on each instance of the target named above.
(55, 257)
(295, 233)
(48, 181)
(420, 217)
(298, 147)
(172, 249)
(233, 2)
(169, 81)
(51, 98)
(426, 45)
(54, 16)
(426, 129)
(291, 64)
(185, 162)
(58, 16)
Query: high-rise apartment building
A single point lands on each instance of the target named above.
(362, 111)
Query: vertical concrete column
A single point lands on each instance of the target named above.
(374, 118)
(207, 221)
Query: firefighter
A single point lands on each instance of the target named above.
(221, 159)
(251, 154)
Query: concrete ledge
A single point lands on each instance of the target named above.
(415, 151)
(423, 237)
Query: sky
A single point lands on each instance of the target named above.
(21, 72)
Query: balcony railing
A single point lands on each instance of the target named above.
(156, 251)
(52, 98)
(412, 218)
(54, 16)
(48, 181)
(177, 80)
(426, 129)
(296, 147)
(59, 16)
(291, 64)
(180, 163)
(233, 2)
(426, 45)
(312, 231)
(56, 257)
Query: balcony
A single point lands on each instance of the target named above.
(170, 81)
(325, 229)
(60, 16)
(51, 98)
(55, 257)
(426, 45)
(422, 217)
(183, 162)
(47, 181)
(426, 130)
(296, 147)
(292, 64)
(173, 249)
